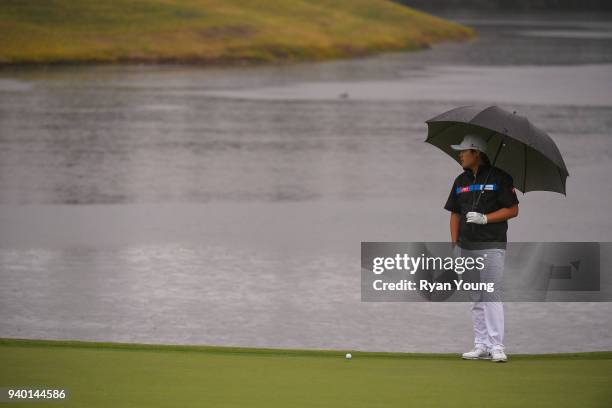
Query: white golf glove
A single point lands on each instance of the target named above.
(476, 218)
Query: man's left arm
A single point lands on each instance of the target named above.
(507, 199)
(502, 214)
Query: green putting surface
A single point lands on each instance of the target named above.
(136, 375)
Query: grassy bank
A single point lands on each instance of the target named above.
(212, 31)
(115, 374)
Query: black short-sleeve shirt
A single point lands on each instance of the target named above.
(497, 192)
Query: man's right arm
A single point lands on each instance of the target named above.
(455, 219)
(452, 205)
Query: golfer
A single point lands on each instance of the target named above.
(481, 201)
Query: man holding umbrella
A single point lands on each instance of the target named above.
(481, 201)
(483, 197)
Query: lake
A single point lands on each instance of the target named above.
(226, 206)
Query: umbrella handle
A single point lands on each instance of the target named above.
(474, 206)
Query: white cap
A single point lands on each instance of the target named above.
(472, 142)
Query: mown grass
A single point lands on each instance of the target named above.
(212, 31)
(151, 375)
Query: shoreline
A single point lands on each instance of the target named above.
(288, 352)
(217, 62)
(204, 62)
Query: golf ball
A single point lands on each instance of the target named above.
(349, 356)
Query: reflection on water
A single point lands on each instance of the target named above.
(183, 294)
(582, 85)
(173, 293)
(288, 168)
(301, 132)
(591, 34)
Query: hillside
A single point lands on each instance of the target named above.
(212, 31)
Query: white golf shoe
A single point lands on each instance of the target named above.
(477, 353)
(498, 356)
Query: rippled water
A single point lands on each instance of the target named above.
(226, 206)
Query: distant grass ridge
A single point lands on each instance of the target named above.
(596, 355)
(212, 31)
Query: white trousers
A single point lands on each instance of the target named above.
(487, 308)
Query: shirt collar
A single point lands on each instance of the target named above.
(481, 169)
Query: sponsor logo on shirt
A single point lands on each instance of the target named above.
(476, 187)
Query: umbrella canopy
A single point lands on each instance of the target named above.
(514, 145)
